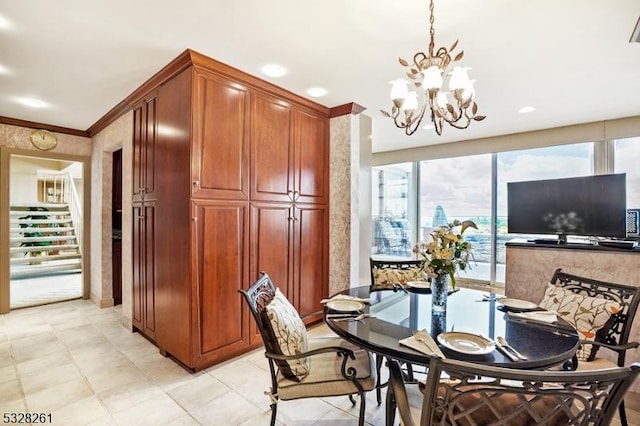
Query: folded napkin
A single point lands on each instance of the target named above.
(346, 297)
(541, 316)
(422, 341)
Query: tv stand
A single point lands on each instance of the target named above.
(544, 241)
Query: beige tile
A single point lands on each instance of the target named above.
(155, 411)
(58, 396)
(99, 357)
(18, 332)
(8, 373)
(16, 406)
(264, 418)
(11, 391)
(39, 345)
(228, 409)
(124, 396)
(303, 411)
(6, 357)
(81, 412)
(115, 377)
(53, 375)
(37, 365)
(198, 391)
(165, 372)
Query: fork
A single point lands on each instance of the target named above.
(357, 318)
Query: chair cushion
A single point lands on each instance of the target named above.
(385, 278)
(287, 335)
(587, 314)
(325, 377)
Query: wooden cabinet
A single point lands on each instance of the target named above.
(220, 144)
(239, 178)
(144, 269)
(290, 155)
(144, 148)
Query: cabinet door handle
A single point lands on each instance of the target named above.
(196, 183)
(141, 217)
(296, 194)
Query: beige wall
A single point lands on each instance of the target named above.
(117, 135)
(350, 201)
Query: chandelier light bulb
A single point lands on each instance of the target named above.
(442, 100)
(459, 78)
(468, 92)
(399, 89)
(410, 102)
(432, 78)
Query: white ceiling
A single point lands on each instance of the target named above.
(571, 59)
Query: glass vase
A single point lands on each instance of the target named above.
(439, 290)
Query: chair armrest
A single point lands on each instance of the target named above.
(336, 349)
(617, 348)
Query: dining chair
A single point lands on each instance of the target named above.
(388, 274)
(614, 335)
(464, 393)
(302, 367)
(391, 275)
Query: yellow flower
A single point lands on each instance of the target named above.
(447, 251)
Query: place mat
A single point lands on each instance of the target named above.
(540, 316)
(422, 341)
(346, 297)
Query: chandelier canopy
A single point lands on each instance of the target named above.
(427, 72)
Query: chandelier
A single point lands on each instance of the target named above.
(427, 72)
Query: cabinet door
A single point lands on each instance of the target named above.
(221, 245)
(144, 149)
(311, 153)
(271, 149)
(144, 268)
(271, 238)
(311, 235)
(220, 156)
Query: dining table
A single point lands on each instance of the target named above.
(391, 316)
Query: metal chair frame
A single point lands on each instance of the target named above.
(258, 296)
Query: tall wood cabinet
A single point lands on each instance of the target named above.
(240, 183)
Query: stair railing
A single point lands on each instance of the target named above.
(63, 191)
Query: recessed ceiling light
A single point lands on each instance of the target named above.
(526, 109)
(4, 23)
(32, 102)
(273, 70)
(4, 70)
(316, 92)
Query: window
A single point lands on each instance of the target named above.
(627, 158)
(459, 188)
(392, 210)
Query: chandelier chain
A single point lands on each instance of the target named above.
(432, 32)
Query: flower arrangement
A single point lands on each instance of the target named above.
(447, 251)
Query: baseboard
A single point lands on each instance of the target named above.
(102, 303)
(126, 323)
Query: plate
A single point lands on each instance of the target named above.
(466, 343)
(422, 285)
(517, 304)
(345, 305)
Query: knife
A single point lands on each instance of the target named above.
(503, 342)
(502, 349)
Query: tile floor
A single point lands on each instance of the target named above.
(77, 362)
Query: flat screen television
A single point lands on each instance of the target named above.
(584, 206)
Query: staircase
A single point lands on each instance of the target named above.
(43, 240)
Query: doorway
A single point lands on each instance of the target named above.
(44, 250)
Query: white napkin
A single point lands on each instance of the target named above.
(541, 316)
(346, 297)
(422, 341)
